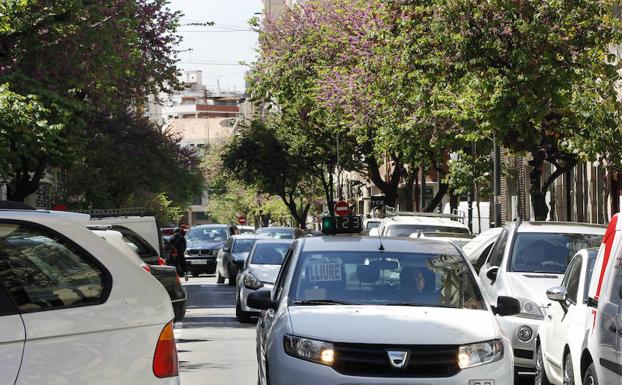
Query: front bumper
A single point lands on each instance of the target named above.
(244, 293)
(290, 370)
(203, 264)
(524, 351)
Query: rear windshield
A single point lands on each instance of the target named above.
(207, 234)
(276, 233)
(548, 252)
(380, 278)
(243, 245)
(269, 253)
(406, 230)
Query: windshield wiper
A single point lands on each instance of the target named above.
(321, 302)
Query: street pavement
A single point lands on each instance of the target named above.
(213, 347)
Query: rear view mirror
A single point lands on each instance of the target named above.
(557, 294)
(261, 300)
(507, 306)
(492, 273)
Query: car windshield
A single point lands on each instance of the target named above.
(381, 278)
(372, 225)
(269, 253)
(208, 234)
(276, 233)
(243, 245)
(548, 252)
(406, 230)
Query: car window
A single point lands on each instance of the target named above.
(496, 254)
(407, 230)
(280, 279)
(385, 278)
(42, 270)
(207, 234)
(482, 257)
(588, 276)
(571, 279)
(276, 232)
(616, 285)
(269, 253)
(6, 305)
(548, 252)
(139, 245)
(243, 245)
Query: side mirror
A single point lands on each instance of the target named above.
(261, 300)
(506, 306)
(557, 294)
(492, 273)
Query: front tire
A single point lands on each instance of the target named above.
(540, 377)
(590, 377)
(241, 315)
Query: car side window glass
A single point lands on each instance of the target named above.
(280, 280)
(616, 285)
(42, 271)
(6, 305)
(571, 280)
(483, 256)
(496, 255)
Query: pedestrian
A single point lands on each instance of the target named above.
(233, 230)
(177, 257)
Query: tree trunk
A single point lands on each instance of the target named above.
(389, 188)
(438, 198)
(453, 202)
(614, 189)
(23, 184)
(538, 198)
(409, 189)
(417, 188)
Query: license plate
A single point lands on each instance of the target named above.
(198, 262)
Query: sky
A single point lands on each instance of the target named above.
(217, 50)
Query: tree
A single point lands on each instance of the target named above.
(537, 76)
(258, 157)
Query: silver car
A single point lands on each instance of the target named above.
(260, 271)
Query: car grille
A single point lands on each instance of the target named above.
(367, 360)
(201, 252)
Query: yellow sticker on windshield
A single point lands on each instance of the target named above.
(325, 272)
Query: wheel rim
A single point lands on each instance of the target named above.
(539, 368)
(590, 381)
(568, 373)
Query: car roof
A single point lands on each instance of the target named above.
(270, 241)
(45, 215)
(561, 227)
(209, 226)
(422, 220)
(250, 236)
(390, 244)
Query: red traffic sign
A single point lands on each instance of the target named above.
(341, 208)
(242, 220)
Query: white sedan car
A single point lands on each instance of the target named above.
(561, 338)
(73, 313)
(360, 310)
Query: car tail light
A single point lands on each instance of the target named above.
(147, 268)
(165, 362)
(161, 262)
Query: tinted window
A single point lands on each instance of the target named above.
(380, 278)
(276, 233)
(571, 279)
(496, 255)
(482, 257)
(616, 285)
(588, 276)
(406, 230)
(548, 252)
(280, 279)
(269, 253)
(207, 234)
(372, 225)
(42, 271)
(243, 245)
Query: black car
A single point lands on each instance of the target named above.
(202, 245)
(232, 256)
(166, 275)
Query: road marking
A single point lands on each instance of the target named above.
(178, 330)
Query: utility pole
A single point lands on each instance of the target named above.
(497, 184)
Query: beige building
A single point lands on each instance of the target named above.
(274, 8)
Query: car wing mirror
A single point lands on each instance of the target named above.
(491, 274)
(261, 300)
(506, 306)
(557, 294)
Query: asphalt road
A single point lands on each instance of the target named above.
(213, 347)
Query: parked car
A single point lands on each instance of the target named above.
(458, 239)
(561, 337)
(146, 226)
(478, 248)
(202, 246)
(245, 229)
(259, 273)
(166, 275)
(230, 259)
(281, 232)
(73, 312)
(601, 362)
(405, 225)
(356, 311)
(528, 259)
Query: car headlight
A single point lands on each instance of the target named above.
(251, 282)
(307, 349)
(480, 353)
(529, 309)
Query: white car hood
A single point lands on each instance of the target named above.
(392, 325)
(533, 286)
(265, 273)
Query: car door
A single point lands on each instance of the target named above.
(12, 335)
(494, 261)
(610, 326)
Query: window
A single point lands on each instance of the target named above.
(269, 253)
(482, 257)
(207, 234)
(243, 245)
(385, 278)
(407, 230)
(616, 285)
(571, 279)
(136, 242)
(42, 270)
(496, 255)
(280, 280)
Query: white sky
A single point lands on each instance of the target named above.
(218, 50)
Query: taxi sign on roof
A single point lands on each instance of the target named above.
(342, 225)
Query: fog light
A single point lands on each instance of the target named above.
(525, 333)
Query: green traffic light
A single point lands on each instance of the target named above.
(328, 225)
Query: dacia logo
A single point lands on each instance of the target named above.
(398, 358)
